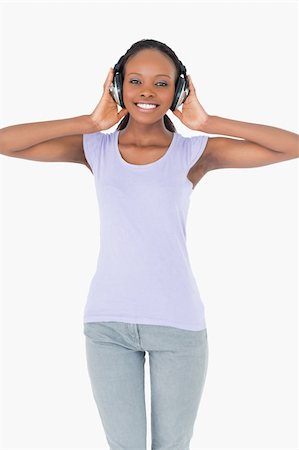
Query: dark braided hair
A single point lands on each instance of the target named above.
(135, 48)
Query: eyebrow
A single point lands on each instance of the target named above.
(158, 75)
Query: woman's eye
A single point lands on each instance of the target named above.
(165, 84)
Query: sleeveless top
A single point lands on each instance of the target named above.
(143, 272)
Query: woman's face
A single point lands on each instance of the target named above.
(149, 76)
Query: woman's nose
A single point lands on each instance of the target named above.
(146, 94)
(146, 90)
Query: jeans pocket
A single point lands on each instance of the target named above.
(92, 330)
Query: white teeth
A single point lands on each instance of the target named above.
(146, 106)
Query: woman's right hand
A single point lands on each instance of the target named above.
(106, 113)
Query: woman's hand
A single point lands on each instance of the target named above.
(192, 115)
(106, 113)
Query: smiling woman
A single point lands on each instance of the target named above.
(143, 296)
(153, 68)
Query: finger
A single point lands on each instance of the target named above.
(109, 77)
(191, 83)
(122, 113)
(109, 74)
(177, 113)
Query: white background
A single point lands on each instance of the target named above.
(242, 224)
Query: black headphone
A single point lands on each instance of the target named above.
(181, 87)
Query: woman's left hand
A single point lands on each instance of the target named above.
(192, 115)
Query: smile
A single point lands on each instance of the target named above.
(146, 106)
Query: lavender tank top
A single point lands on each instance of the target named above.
(143, 272)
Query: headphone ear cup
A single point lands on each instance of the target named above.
(177, 94)
(116, 88)
(119, 88)
(181, 93)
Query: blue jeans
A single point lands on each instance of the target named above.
(178, 361)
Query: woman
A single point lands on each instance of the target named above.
(143, 296)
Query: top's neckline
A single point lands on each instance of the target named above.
(142, 166)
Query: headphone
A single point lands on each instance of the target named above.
(181, 87)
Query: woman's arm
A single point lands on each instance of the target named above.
(261, 144)
(18, 137)
(273, 138)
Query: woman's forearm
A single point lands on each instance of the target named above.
(22, 136)
(273, 138)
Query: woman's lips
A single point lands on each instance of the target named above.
(146, 109)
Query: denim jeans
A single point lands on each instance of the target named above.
(178, 360)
